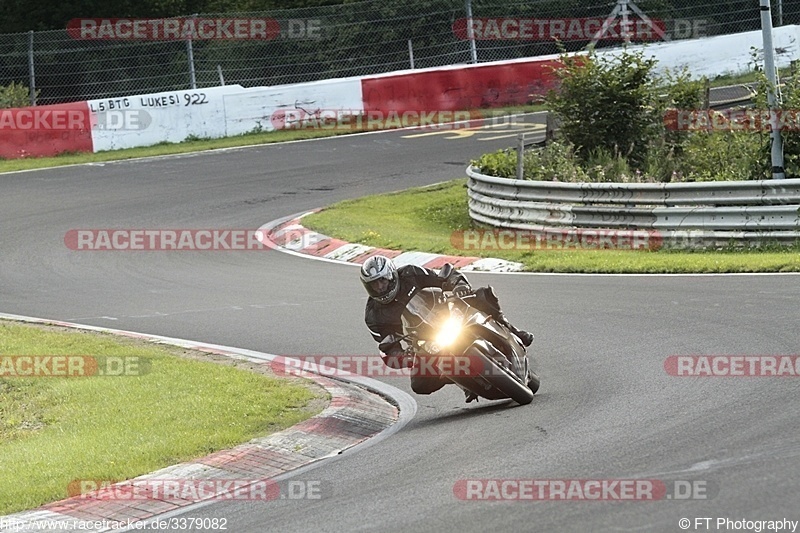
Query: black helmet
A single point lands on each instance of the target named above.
(377, 268)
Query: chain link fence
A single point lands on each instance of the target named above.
(353, 39)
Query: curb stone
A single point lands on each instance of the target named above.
(288, 234)
(355, 414)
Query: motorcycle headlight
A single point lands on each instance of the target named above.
(449, 331)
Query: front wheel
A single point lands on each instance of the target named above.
(502, 379)
(533, 381)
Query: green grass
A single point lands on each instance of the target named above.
(57, 430)
(750, 77)
(424, 219)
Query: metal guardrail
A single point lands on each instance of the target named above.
(708, 213)
(713, 193)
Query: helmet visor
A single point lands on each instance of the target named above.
(384, 288)
(380, 286)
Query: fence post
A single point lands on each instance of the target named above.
(778, 171)
(190, 57)
(32, 75)
(471, 34)
(520, 150)
(411, 53)
(549, 128)
(221, 77)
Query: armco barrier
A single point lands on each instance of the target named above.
(685, 214)
(45, 130)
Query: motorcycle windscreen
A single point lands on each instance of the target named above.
(420, 309)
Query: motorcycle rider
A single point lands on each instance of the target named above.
(390, 289)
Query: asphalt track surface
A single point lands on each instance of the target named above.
(607, 409)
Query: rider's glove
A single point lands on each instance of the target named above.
(461, 290)
(399, 359)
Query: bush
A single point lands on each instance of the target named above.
(608, 104)
(612, 115)
(790, 103)
(558, 161)
(705, 156)
(681, 93)
(722, 156)
(502, 163)
(14, 95)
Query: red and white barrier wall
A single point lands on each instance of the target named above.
(45, 130)
(459, 87)
(145, 120)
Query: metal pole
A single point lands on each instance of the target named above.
(190, 58)
(626, 28)
(32, 75)
(769, 69)
(780, 12)
(471, 34)
(221, 77)
(411, 53)
(606, 24)
(520, 150)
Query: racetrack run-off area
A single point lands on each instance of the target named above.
(607, 410)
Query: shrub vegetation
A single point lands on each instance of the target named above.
(613, 128)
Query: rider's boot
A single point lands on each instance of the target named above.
(469, 396)
(524, 336)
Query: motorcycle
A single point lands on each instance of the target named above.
(467, 346)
